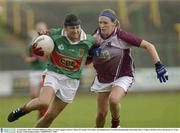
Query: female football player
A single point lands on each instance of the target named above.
(114, 65)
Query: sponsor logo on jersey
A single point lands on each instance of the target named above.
(68, 63)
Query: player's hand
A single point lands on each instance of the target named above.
(95, 51)
(36, 51)
(43, 32)
(89, 60)
(161, 71)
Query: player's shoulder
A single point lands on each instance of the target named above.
(55, 31)
(89, 41)
(122, 34)
(119, 32)
(90, 37)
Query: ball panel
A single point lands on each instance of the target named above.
(46, 43)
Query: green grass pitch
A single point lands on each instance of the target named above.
(139, 110)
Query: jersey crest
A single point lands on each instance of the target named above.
(61, 47)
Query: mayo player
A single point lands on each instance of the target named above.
(63, 71)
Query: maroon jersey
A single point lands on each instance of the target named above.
(115, 60)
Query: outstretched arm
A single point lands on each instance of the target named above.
(159, 67)
(151, 49)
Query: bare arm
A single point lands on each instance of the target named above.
(160, 68)
(28, 59)
(151, 49)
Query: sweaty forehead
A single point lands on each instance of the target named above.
(104, 19)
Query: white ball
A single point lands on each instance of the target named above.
(46, 43)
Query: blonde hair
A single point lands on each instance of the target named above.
(113, 13)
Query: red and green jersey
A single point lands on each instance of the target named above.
(68, 58)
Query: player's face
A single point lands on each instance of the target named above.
(73, 32)
(106, 26)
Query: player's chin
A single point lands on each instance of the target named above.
(104, 33)
(75, 36)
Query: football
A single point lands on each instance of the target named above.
(46, 43)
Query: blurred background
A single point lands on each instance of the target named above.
(148, 103)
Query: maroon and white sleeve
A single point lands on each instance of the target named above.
(129, 38)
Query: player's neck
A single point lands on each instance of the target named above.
(73, 40)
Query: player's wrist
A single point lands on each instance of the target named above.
(157, 63)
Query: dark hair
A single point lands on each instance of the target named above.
(72, 20)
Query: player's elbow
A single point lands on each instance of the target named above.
(147, 45)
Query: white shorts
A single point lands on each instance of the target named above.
(64, 87)
(35, 78)
(124, 82)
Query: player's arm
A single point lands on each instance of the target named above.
(29, 59)
(27, 55)
(151, 49)
(94, 50)
(160, 68)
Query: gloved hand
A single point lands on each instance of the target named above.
(36, 51)
(161, 71)
(95, 51)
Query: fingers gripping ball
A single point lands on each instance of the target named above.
(44, 42)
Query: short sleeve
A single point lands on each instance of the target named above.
(129, 38)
